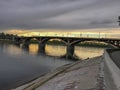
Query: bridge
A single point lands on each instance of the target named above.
(69, 41)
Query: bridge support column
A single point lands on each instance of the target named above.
(70, 51)
(17, 42)
(26, 44)
(117, 43)
(42, 47)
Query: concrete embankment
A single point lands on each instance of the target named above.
(112, 70)
(82, 75)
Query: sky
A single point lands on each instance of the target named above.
(58, 14)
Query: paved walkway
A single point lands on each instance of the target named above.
(83, 75)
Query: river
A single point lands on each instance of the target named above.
(19, 66)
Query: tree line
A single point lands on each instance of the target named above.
(5, 36)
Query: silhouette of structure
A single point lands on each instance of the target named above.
(69, 41)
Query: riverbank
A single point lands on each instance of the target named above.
(6, 41)
(81, 75)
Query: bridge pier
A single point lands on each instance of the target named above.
(17, 42)
(117, 43)
(42, 47)
(70, 51)
(25, 45)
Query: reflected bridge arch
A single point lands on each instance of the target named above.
(70, 42)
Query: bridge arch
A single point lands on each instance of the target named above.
(43, 41)
(69, 41)
(110, 42)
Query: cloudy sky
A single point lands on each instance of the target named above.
(58, 14)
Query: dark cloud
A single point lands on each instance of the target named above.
(58, 14)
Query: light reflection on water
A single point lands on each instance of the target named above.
(54, 50)
(11, 50)
(18, 66)
(16, 52)
(33, 49)
(88, 52)
(57, 50)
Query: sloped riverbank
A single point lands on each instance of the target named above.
(80, 75)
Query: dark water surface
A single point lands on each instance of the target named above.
(18, 66)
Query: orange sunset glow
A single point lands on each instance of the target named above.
(104, 33)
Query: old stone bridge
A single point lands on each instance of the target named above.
(69, 41)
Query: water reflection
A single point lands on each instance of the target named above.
(54, 50)
(34, 49)
(88, 52)
(18, 66)
(10, 49)
(57, 50)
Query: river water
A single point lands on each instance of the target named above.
(18, 66)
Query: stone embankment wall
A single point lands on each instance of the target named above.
(111, 71)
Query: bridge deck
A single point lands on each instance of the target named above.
(73, 37)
